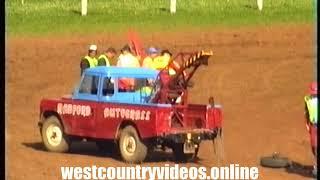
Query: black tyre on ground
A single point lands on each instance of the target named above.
(180, 156)
(132, 150)
(274, 162)
(53, 137)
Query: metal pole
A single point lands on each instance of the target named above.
(84, 7)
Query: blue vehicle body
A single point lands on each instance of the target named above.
(116, 73)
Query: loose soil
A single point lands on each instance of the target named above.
(259, 76)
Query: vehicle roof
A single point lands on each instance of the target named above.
(123, 71)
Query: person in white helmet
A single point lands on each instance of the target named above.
(90, 60)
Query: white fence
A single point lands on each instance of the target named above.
(173, 6)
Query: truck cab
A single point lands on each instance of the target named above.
(115, 84)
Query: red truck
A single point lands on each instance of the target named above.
(132, 120)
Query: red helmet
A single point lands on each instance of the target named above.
(313, 88)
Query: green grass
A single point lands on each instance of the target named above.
(39, 17)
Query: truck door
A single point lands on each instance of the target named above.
(86, 99)
(105, 127)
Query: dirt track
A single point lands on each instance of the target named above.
(259, 75)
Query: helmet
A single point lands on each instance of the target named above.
(313, 88)
(152, 50)
(93, 47)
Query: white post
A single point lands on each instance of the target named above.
(84, 7)
(173, 5)
(260, 4)
(22, 2)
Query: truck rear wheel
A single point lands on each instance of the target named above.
(132, 150)
(181, 156)
(53, 136)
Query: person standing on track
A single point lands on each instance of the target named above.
(148, 62)
(89, 61)
(162, 62)
(127, 59)
(311, 115)
(107, 58)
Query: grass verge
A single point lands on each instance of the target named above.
(41, 17)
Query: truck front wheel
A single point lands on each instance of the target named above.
(53, 136)
(131, 148)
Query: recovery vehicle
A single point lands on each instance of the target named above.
(132, 120)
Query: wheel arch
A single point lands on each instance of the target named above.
(46, 114)
(124, 124)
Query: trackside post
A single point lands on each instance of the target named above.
(260, 4)
(84, 7)
(173, 6)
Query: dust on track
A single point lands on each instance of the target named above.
(259, 75)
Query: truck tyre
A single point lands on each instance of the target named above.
(180, 156)
(274, 162)
(53, 136)
(132, 150)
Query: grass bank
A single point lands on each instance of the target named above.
(40, 17)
